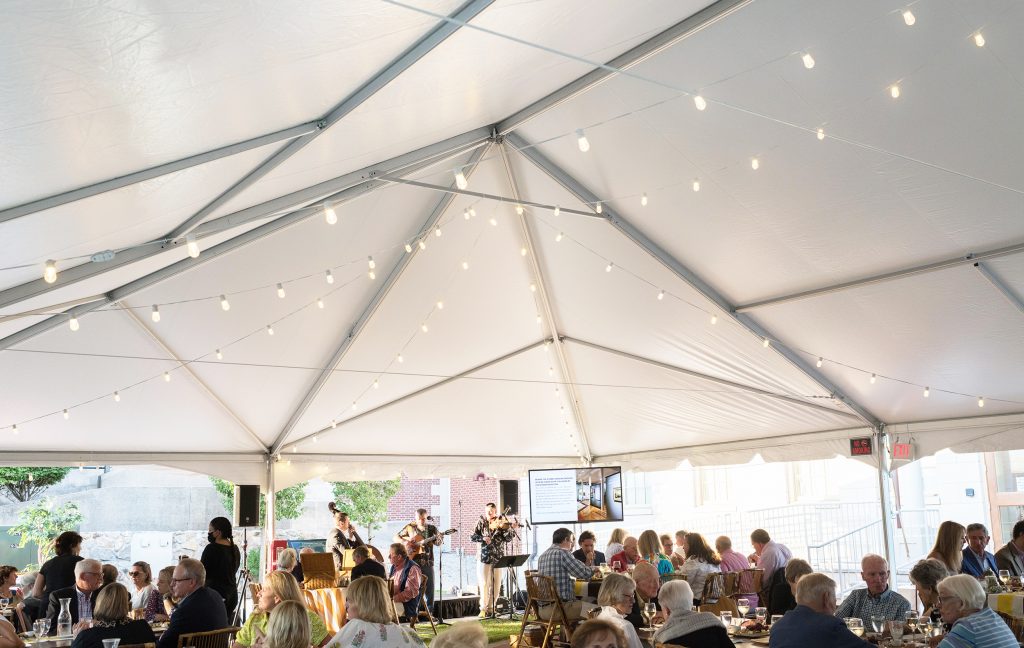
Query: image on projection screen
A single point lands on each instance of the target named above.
(571, 495)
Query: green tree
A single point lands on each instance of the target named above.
(288, 501)
(42, 522)
(22, 484)
(366, 502)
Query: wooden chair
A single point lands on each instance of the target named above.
(542, 593)
(212, 639)
(750, 583)
(318, 570)
(423, 609)
(713, 597)
(730, 584)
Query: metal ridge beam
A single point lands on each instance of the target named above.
(97, 457)
(972, 257)
(311, 457)
(329, 189)
(423, 390)
(437, 35)
(703, 376)
(341, 349)
(1001, 286)
(651, 47)
(111, 184)
(645, 243)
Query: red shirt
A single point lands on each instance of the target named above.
(623, 561)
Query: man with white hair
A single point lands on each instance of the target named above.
(812, 622)
(648, 583)
(685, 626)
(876, 599)
(962, 604)
(88, 581)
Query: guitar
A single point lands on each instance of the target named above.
(414, 545)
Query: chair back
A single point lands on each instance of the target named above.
(211, 639)
(714, 584)
(318, 569)
(730, 583)
(541, 588)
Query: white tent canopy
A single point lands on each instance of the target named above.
(777, 311)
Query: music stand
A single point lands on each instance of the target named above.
(512, 581)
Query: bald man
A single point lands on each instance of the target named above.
(876, 599)
(629, 555)
(648, 584)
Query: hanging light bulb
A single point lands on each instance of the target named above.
(519, 210)
(372, 275)
(320, 302)
(755, 164)
(894, 91)
(280, 291)
(820, 360)
(424, 327)
(522, 251)
(981, 401)
(533, 287)
(643, 200)
(67, 415)
(371, 263)
(908, 17)
(465, 265)
(315, 438)
(270, 329)
(408, 249)
(440, 305)
(334, 424)
(14, 428)
(220, 356)
(808, 60)
(329, 277)
(167, 376)
(192, 246)
(376, 383)
(714, 318)
(696, 185)
(927, 392)
(73, 323)
(329, 215)
(608, 268)
(582, 141)
(821, 133)
(50, 271)
(117, 397)
(539, 320)
(460, 179)
(437, 231)
(422, 244)
(558, 210)
(355, 406)
(766, 343)
(465, 214)
(661, 295)
(598, 208)
(155, 314)
(873, 378)
(979, 40)
(558, 237)
(400, 359)
(224, 304)
(494, 221)
(699, 102)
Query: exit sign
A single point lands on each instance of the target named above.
(860, 447)
(903, 451)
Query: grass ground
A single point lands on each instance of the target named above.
(498, 630)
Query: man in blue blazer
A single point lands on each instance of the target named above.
(812, 624)
(88, 582)
(200, 609)
(976, 559)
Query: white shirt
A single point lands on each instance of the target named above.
(696, 572)
(609, 613)
(375, 635)
(140, 597)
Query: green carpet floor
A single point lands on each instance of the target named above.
(497, 629)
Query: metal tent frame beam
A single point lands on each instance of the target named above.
(407, 163)
(391, 71)
(368, 312)
(645, 243)
(564, 369)
(1000, 285)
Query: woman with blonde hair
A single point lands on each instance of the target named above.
(289, 626)
(598, 633)
(110, 621)
(372, 622)
(949, 544)
(650, 550)
(465, 634)
(616, 597)
(615, 542)
(278, 587)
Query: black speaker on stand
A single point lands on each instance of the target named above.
(247, 514)
(509, 494)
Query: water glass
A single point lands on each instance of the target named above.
(41, 627)
(896, 629)
(727, 622)
(776, 618)
(877, 623)
(761, 613)
(111, 643)
(856, 625)
(4, 603)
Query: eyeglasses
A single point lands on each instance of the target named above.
(93, 574)
(135, 573)
(180, 580)
(943, 599)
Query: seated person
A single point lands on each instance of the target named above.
(616, 600)
(598, 633)
(649, 546)
(587, 554)
(465, 634)
(782, 589)
(110, 574)
(289, 627)
(110, 621)
(813, 622)
(278, 586)
(977, 560)
(370, 613)
(1010, 557)
(734, 561)
(630, 555)
(405, 580)
(366, 566)
(200, 608)
(9, 590)
(648, 584)
(685, 626)
(926, 576)
(876, 599)
(159, 605)
(701, 560)
(558, 563)
(82, 594)
(962, 602)
(9, 636)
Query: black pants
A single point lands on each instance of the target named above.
(427, 567)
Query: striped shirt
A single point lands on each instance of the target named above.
(984, 629)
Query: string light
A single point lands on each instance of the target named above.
(873, 378)
(981, 401)
(371, 263)
(372, 275)
(440, 305)
(50, 271)
(117, 397)
(192, 246)
(280, 291)
(598, 208)
(224, 304)
(927, 392)
(334, 424)
(522, 251)
(408, 249)
(714, 318)
(330, 277)
(643, 200)
(472, 213)
(220, 356)
(979, 40)
(755, 164)
(533, 287)
(494, 221)
(400, 359)
(329, 215)
(315, 438)
(696, 185)
(699, 102)
(465, 214)
(894, 91)
(376, 383)
(908, 17)
(460, 179)
(519, 210)
(14, 428)
(270, 329)
(766, 343)
(821, 133)
(808, 60)
(422, 244)
(355, 406)
(167, 376)
(539, 320)
(558, 210)
(437, 231)
(661, 295)
(67, 415)
(423, 327)
(820, 360)
(558, 238)
(73, 323)
(320, 303)
(582, 141)
(155, 314)
(465, 265)
(608, 268)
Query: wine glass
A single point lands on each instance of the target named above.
(617, 565)
(896, 630)
(650, 609)
(776, 618)
(1004, 576)
(877, 623)
(912, 621)
(761, 613)
(4, 603)
(856, 626)
(743, 605)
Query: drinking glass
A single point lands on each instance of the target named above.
(856, 626)
(604, 568)
(877, 623)
(111, 643)
(743, 605)
(4, 603)
(650, 609)
(40, 627)
(616, 565)
(912, 620)
(761, 613)
(776, 618)
(896, 630)
(727, 622)
(1004, 576)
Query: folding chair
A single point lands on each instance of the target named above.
(423, 609)
(750, 584)
(212, 639)
(713, 599)
(541, 593)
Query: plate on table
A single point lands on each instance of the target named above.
(746, 634)
(760, 641)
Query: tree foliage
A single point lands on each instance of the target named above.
(22, 484)
(42, 522)
(288, 501)
(366, 502)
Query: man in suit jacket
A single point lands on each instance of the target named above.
(812, 622)
(976, 559)
(88, 580)
(587, 554)
(200, 608)
(366, 566)
(1011, 557)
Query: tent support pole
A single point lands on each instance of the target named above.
(1001, 286)
(544, 303)
(269, 530)
(368, 312)
(644, 242)
(885, 495)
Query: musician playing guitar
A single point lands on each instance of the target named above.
(420, 537)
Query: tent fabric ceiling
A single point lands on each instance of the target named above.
(504, 343)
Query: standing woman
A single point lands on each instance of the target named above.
(221, 559)
(57, 572)
(949, 544)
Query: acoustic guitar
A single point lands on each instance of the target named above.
(414, 545)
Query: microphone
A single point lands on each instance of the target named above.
(430, 517)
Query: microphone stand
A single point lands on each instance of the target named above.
(440, 581)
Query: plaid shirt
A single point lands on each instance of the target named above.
(84, 604)
(889, 605)
(559, 564)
